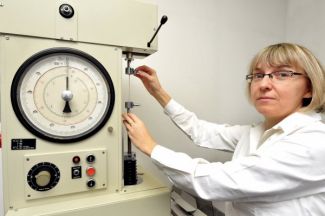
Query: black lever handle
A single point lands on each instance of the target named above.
(162, 22)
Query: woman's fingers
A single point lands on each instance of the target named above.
(138, 133)
(127, 118)
(145, 69)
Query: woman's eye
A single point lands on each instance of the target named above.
(282, 74)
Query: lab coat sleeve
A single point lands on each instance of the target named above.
(285, 170)
(203, 133)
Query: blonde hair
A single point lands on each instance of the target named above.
(299, 57)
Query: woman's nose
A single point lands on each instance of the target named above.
(266, 82)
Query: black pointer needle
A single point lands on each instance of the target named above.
(67, 94)
(67, 98)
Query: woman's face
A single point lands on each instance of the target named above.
(276, 99)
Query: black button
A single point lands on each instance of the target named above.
(91, 183)
(91, 158)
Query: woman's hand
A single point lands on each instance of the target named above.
(138, 133)
(150, 80)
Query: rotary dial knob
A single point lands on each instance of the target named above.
(43, 176)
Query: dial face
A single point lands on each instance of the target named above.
(62, 95)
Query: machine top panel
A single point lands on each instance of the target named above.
(128, 24)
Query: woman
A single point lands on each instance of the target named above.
(278, 166)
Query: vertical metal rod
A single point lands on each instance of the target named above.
(129, 71)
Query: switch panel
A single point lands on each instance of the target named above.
(69, 176)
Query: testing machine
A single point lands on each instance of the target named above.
(61, 105)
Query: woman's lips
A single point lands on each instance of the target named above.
(265, 98)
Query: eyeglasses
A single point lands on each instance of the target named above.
(277, 75)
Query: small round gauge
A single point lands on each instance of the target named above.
(43, 176)
(62, 95)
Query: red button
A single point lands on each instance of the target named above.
(91, 171)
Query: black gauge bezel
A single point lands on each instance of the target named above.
(15, 95)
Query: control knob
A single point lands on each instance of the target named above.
(43, 176)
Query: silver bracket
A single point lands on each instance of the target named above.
(129, 105)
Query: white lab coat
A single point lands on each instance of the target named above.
(277, 172)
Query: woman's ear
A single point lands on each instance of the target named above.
(309, 90)
(308, 95)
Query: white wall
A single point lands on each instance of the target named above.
(305, 25)
(204, 52)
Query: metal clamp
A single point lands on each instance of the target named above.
(129, 59)
(129, 105)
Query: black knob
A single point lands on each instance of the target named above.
(163, 20)
(66, 11)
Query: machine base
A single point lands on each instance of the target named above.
(145, 203)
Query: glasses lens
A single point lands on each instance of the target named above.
(282, 75)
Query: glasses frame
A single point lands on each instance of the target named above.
(277, 74)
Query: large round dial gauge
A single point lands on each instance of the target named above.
(62, 95)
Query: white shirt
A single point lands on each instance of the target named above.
(279, 172)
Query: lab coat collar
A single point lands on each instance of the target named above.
(291, 123)
(297, 120)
